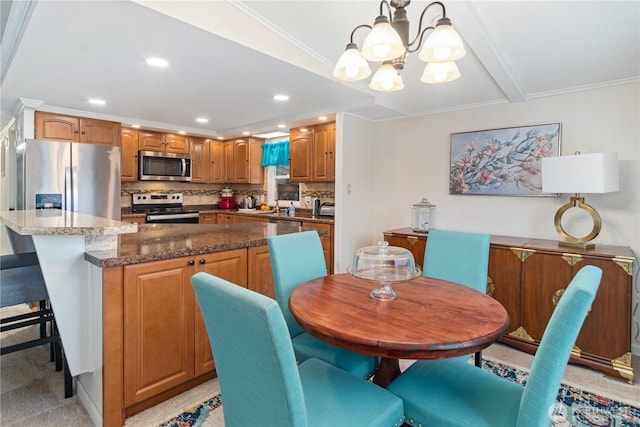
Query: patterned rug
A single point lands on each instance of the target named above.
(574, 407)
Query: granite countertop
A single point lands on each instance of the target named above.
(36, 222)
(156, 242)
(301, 214)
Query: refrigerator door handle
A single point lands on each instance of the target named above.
(74, 188)
(68, 190)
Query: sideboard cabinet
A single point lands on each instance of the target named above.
(529, 276)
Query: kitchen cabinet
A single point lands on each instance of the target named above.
(199, 148)
(260, 274)
(529, 276)
(165, 142)
(208, 218)
(165, 340)
(216, 162)
(58, 127)
(239, 219)
(326, 239)
(135, 219)
(224, 218)
(129, 155)
(242, 161)
(312, 153)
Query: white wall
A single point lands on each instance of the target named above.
(354, 188)
(411, 161)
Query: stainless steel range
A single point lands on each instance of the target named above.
(163, 208)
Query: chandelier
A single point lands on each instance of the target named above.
(388, 42)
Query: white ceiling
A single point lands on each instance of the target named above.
(228, 58)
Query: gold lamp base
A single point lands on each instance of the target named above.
(577, 242)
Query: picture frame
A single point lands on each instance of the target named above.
(502, 162)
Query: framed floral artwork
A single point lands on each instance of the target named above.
(502, 162)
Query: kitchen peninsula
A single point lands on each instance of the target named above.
(154, 344)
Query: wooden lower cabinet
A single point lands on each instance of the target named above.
(165, 341)
(260, 273)
(327, 241)
(529, 276)
(211, 218)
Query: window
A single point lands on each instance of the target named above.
(279, 187)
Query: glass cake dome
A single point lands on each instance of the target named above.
(384, 265)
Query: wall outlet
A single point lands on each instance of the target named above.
(307, 201)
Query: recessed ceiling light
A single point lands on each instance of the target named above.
(281, 97)
(246, 133)
(135, 126)
(281, 126)
(181, 132)
(322, 118)
(202, 120)
(156, 62)
(96, 101)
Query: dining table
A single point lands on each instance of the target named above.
(429, 319)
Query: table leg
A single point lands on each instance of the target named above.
(388, 370)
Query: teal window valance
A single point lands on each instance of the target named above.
(275, 154)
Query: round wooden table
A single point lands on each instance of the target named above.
(430, 319)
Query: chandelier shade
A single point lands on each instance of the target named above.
(383, 42)
(443, 45)
(440, 72)
(351, 66)
(386, 79)
(388, 42)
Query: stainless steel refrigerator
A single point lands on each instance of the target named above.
(83, 178)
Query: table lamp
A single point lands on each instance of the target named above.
(580, 173)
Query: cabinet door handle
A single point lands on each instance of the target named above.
(202, 261)
(192, 262)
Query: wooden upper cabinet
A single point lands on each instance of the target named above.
(312, 153)
(199, 159)
(150, 140)
(243, 158)
(129, 155)
(300, 152)
(216, 161)
(57, 127)
(176, 143)
(324, 145)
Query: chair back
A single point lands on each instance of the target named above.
(257, 370)
(458, 257)
(295, 258)
(555, 348)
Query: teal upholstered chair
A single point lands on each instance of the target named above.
(260, 381)
(458, 257)
(454, 393)
(297, 258)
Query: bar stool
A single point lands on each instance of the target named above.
(21, 282)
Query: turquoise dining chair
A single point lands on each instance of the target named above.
(451, 392)
(297, 258)
(260, 382)
(458, 257)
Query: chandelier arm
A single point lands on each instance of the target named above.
(421, 32)
(357, 28)
(385, 2)
(421, 35)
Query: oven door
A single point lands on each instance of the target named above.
(174, 218)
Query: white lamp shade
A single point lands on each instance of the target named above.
(386, 79)
(443, 45)
(440, 72)
(580, 173)
(382, 43)
(351, 66)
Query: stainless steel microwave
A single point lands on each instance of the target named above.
(158, 166)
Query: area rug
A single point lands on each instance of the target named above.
(574, 407)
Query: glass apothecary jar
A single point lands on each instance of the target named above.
(422, 216)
